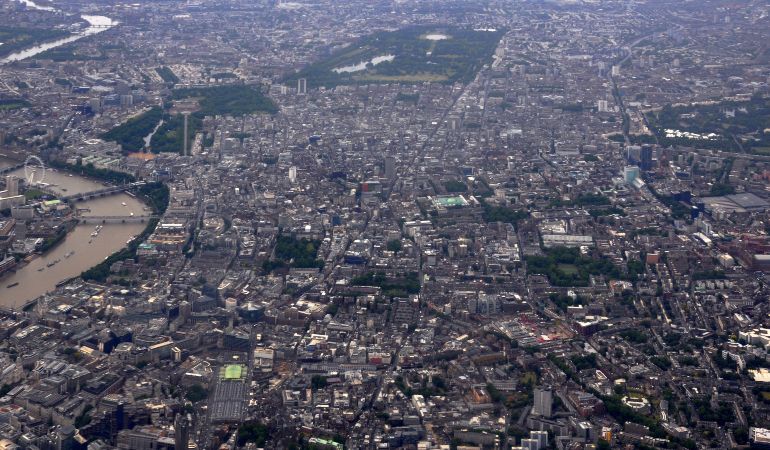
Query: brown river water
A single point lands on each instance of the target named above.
(112, 237)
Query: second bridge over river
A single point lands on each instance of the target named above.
(114, 219)
(80, 196)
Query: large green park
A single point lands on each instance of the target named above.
(737, 126)
(233, 100)
(410, 55)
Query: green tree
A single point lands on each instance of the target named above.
(254, 432)
(196, 393)
(318, 382)
(394, 245)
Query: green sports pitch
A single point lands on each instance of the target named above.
(450, 202)
(232, 372)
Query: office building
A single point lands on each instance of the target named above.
(390, 167)
(602, 105)
(645, 157)
(181, 432)
(543, 402)
(11, 186)
(541, 437)
(631, 174)
(293, 174)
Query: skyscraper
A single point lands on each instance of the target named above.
(540, 436)
(181, 432)
(12, 185)
(645, 157)
(543, 402)
(630, 174)
(390, 167)
(602, 105)
(65, 437)
(302, 86)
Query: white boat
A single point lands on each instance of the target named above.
(132, 214)
(123, 203)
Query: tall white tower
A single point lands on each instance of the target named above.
(12, 185)
(543, 402)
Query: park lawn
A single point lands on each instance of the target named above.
(416, 78)
(13, 105)
(416, 59)
(529, 377)
(32, 194)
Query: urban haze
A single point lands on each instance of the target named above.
(384, 224)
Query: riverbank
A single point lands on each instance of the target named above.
(157, 196)
(56, 239)
(49, 244)
(89, 171)
(96, 24)
(85, 245)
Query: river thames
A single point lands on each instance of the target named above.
(97, 24)
(37, 277)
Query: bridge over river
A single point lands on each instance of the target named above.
(9, 169)
(114, 219)
(80, 196)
